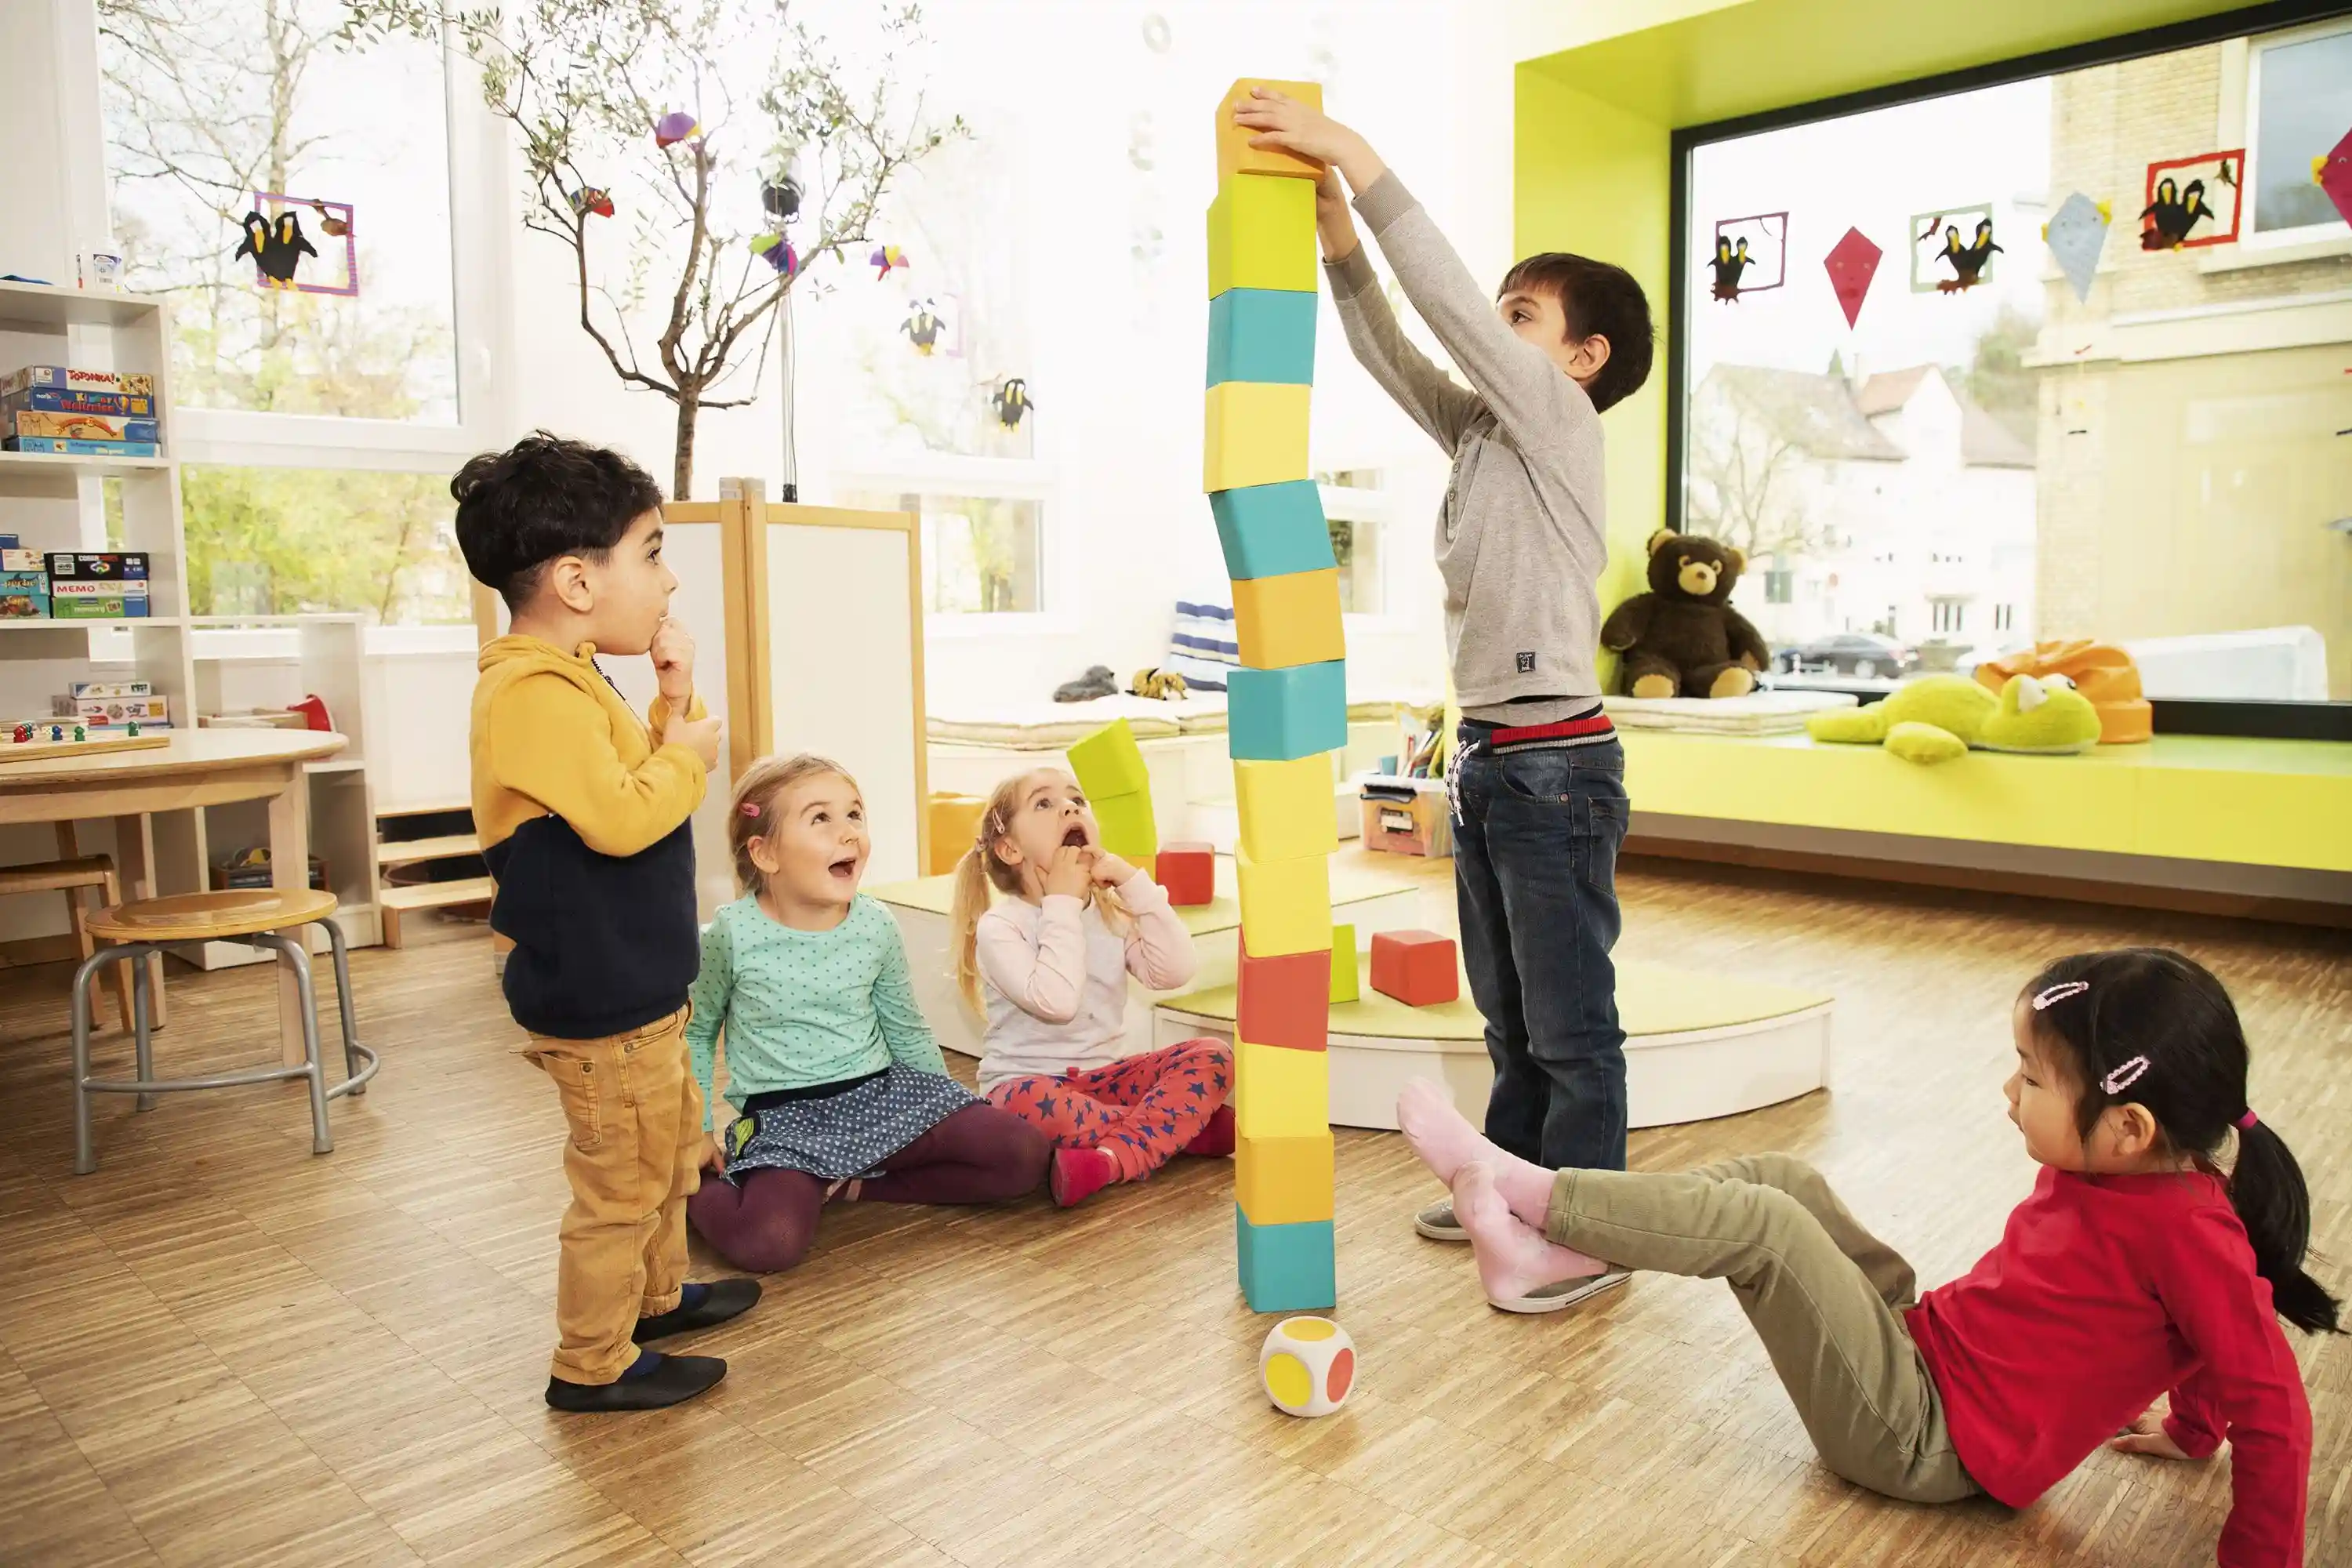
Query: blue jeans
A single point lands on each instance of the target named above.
(1536, 835)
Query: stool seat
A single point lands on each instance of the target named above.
(202, 917)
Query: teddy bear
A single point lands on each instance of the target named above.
(1939, 717)
(1682, 638)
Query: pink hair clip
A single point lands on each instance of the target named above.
(2248, 1120)
(2059, 993)
(2124, 1076)
(750, 808)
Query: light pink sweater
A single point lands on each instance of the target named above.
(1054, 978)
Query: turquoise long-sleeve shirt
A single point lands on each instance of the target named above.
(804, 1007)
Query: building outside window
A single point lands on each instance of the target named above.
(2298, 106)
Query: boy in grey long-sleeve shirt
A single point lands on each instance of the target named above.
(1538, 783)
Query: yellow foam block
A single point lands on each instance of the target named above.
(1285, 904)
(1281, 1093)
(1286, 810)
(1235, 153)
(1255, 433)
(1282, 1181)
(1290, 619)
(1262, 235)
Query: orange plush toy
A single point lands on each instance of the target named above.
(2100, 671)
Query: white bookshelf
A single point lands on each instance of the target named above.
(58, 502)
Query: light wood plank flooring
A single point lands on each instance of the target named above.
(221, 1349)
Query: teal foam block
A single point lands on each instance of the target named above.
(1271, 530)
(1276, 715)
(1262, 334)
(1285, 1267)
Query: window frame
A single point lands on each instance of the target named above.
(1381, 508)
(1033, 480)
(2269, 22)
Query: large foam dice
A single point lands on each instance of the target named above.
(1285, 1267)
(1108, 761)
(1235, 153)
(1262, 334)
(1284, 1001)
(1268, 530)
(1291, 619)
(1346, 979)
(1279, 714)
(1279, 1092)
(1283, 1181)
(1285, 904)
(1308, 1365)
(1287, 809)
(1416, 967)
(1127, 826)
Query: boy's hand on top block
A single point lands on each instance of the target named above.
(699, 736)
(1283, 121)
(673, 656)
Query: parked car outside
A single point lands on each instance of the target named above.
(1865, 656)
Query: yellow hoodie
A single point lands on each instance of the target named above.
(584, 821)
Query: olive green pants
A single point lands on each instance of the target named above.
(1824, 1293)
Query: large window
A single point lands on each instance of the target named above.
(1987, 452)
(980, 553)
(295, 201)
(2299, 105)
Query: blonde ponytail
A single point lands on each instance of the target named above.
(971, 902)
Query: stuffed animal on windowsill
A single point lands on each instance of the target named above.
(1682, 638)
(1939, 717)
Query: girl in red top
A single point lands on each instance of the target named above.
(2138, 1267)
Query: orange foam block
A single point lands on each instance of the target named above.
(1416, 967)
(1189, 872)
(1285, 1000)
(1235, 153)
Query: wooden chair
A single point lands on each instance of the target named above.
(73, 873)
(257, 917)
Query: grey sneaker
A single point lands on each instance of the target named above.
(1565, 1293)
(1437, 1222)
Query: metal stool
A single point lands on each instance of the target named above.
(257, 917)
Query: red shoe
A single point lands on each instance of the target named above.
(1077, 1174)
(1215, 1141)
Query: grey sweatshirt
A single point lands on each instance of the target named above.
(1521, 540)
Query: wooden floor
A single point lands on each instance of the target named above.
(222, 1349)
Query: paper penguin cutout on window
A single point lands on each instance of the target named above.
(1730, 261)
(277, 249)
(1952, 249)
(2191, 202)
(1750, 255)
(1010, 402)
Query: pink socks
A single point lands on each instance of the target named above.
(1514, 1259)
(1446, 1142)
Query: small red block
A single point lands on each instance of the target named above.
(1285, 1001)
(1416, 967)
(1189, 872)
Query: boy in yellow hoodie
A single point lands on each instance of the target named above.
(582, 812)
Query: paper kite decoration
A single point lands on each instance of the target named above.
(2332, 173)
(885, 257)
(922, 326)
(2192, 202)
(589, 199)
(1750, 255)
(779, 252)
(1951, 251)
(675, 127)
(1010, 402)
(2075, 234)
(1852, 262)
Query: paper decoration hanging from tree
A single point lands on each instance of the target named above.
(1750, 255)
(2332, 173)
(590, 199)
(2192, 202)
(283, 253)
(885, 259)
(1951, 250)
(1852, 262)
(1010, 402)
(923, 325)
(2075, 234)
(675, 127)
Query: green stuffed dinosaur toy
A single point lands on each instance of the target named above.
(1939, 717)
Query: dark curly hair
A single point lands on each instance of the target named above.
(542, 497)
(1599, 300)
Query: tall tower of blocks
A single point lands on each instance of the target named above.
(1287, 709)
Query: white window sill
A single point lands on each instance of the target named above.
(2277, 253)
(284, 643)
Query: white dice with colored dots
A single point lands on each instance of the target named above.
(1308, 1365)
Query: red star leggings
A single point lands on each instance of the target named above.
(1145, 1110)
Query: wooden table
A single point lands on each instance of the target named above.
(194, 768)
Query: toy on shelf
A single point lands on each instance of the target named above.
(30, 742)
(1188, 871)
(1416, 967)
(2103, 673)
(1939, 717)
(1682, 638)
(1308, 1365)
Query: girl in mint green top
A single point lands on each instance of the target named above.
(841, 1090)
(806, 1008)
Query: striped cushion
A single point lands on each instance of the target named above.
(1203, 648)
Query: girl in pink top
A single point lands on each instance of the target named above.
(1048, 966)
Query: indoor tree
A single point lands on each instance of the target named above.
(779, 123)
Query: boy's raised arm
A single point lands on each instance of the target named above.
(1425, 392)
